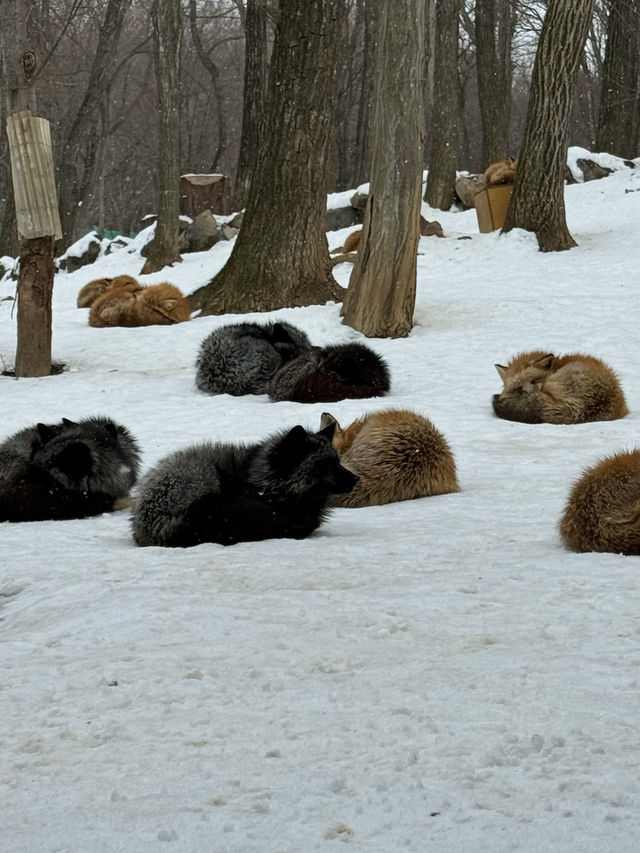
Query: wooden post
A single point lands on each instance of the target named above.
(38, 225)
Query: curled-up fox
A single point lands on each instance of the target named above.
(541, 387)
(397, 455)
(134, 305)
(603, 510)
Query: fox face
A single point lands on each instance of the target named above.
(307, 462)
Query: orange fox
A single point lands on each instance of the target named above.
(93, 289)
(156, 305)
(603, 511)
(397, 454)
(502, 172)
(541, 387)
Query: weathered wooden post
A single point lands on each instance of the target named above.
(38, 224)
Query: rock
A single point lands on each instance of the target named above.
(430, 229)
(201, 234)
(466, 188)
(592, 171)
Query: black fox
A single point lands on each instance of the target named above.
(229, 493)
(241, 358)
(67, 470)
(327, 374)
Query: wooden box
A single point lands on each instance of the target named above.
(491, 206)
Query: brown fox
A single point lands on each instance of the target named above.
(502, 172)
(156, 305)
(397, 454)
(541, 387)
(93, 289)
(603, 511)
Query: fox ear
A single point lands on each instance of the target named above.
(502, 370)
(327, 420)
(45, 432)
(69, 423)
(545, 362)
(279, 334)
(169, 304)
(328, 429)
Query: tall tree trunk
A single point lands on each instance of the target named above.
(281, 256)
(382, 289)
(167, 40)
(441, 179)
(537, 203)
(494, 32)
(214, 76)
(362, 158)
(619, 114)
(78, 157)
(253, 95)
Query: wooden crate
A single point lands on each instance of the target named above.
(491, 206)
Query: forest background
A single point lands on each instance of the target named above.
(105, 120)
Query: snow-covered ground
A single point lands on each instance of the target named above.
(435, 675)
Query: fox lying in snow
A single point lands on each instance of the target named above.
(134, 305)
(93, 289)
(603, 510)
(397, 455)
(541, 387)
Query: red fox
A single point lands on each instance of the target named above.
(93, 289)
(397, 454)
(156, 305)
(541, 387)
(502, 172)
(603, 511)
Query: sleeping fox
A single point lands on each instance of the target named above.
(502, 172)
(155, 305)
(603, 510)
(93, 289)
(397, 454)
(541, 387)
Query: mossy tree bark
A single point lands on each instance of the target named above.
(537, 203)
(281, 257)
(382, 289)
(167, 40)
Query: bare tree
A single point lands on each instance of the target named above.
(494, 26)
(253, 95)
(441, 179)
(619, 115)
(537, 203)
(80, 149)
(381, 295)
(281, 255)
(167, 39)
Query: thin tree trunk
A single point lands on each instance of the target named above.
(35, 286)
(281, 256)
(362, 164)
(79, 151)
(537, 203)
(619, 114)
(494, 29)
(381, 297)
(255, 84)
(441, 178)
(167, 39)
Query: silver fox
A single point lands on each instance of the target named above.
(241, 358)
(67, 470)
(229, 493)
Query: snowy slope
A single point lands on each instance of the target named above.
(439, 674)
